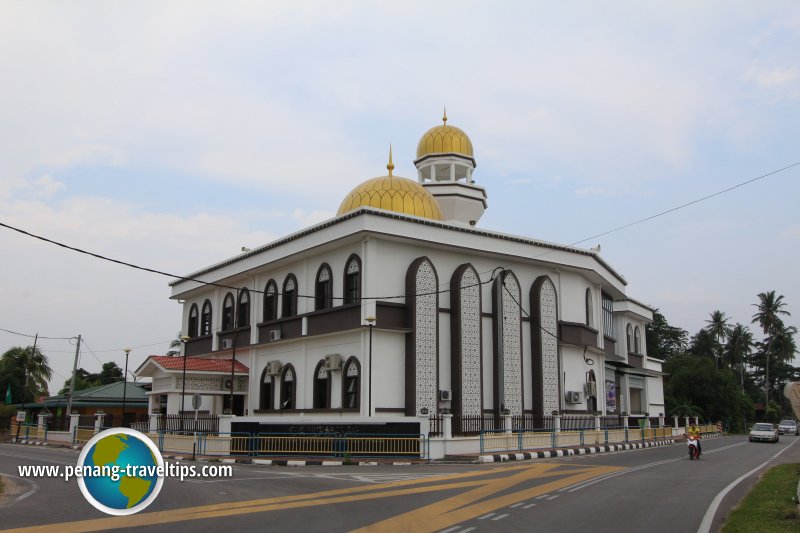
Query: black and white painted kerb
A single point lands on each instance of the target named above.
(564, 452)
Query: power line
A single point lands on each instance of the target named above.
(40, 336)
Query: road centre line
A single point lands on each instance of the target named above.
(484, 517)
(499, 517)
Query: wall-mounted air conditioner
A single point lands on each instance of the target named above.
(445, 395)
(274, 335)
(333, 362)
(573, 396)
(274, 368)
(227, 344)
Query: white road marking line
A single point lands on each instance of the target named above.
(529, 506)
(449, 529)
(542, 497)
(500, 517)
(708, 518)
(484, 517)
(34, 488)
(552, 497)
(468, 530)
(517, 505)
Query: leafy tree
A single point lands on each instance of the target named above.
(770, 308)
(109, 374)
(718, 327)
(664, 341)
(704, 344)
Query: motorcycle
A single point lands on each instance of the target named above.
(694, 448)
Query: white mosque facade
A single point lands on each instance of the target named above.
(402, 307)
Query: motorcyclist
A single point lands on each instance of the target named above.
(694, 432)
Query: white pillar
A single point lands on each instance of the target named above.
(452, 172)
(98, 421)
(447, 425)
(507, 426)
(597, 422)
(556, 421)
(74, 420)
(424, 425)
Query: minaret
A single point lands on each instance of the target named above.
(445, 164)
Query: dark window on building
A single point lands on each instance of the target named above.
(194, 322)
(637, 345)
(351, 384)
(289, 297)
(352, 280)
(288, 387)
(629, 339)
(589, 309)
(270, 301)
(227, 313)
(265, 399)
(243, 309)
(322, 394)
(205, 319)
(323, 295)
(608, 316)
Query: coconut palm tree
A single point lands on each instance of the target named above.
(704, 344)
(738, 349)
(35, 366)
(718, 326)
(770, 309)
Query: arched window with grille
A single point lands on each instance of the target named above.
(637, 343)
(629, 338)
(194, 322)
(243, 309)
(288, 387)
(351, 384)
(267, 394)
(227, 313)
(289, 297)
(271, 301)
(352, 280)
(322, 387)
(205, 319)
(323, 294)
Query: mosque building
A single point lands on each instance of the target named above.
(402, 307)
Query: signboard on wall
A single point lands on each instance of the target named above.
(611, 396)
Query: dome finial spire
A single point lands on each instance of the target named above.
(444, 116)
(390, 165)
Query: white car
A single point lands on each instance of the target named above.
(763, 432)
(788, 427)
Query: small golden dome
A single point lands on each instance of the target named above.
(393, 193)
(444, 139)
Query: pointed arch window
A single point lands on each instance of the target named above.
(289, 297)
(243, 309)
(352, 280)
(322, 387)
(227, 313)
(194, 321)
(267, 394)
(589, 309)
(323, 295)
(351, 384)
(288, 387)
(270, 301)
(637, 344)
(205, 319)
(629, 338)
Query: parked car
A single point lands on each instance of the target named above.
(788, 427)
(763, 432)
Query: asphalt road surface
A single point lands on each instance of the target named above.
(654, 490)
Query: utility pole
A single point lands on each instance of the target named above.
(74, 372)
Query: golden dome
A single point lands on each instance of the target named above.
(393, 193)
(444, 139)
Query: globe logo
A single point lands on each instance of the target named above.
(122, 471)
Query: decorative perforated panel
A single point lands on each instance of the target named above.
(470, 306)
(512, 349)
(427, 337)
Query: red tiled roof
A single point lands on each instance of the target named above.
(199, 365)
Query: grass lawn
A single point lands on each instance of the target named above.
(771, 506)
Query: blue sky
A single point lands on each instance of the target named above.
(170, 134)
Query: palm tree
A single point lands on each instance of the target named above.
(783, 344)
(35, 366)
(704, 344)
(718, 326)
(738, 349)
(768, 317)
(175, 346)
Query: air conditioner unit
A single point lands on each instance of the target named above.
(445, 395)
(333, 362)
(274, 335)
(590, 388)
(227, 384)
(573, 396)
(274, 368)
(227, 344)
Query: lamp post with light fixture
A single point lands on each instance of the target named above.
(371, 320)
(125, 385)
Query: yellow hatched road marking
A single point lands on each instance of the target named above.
(428, 518)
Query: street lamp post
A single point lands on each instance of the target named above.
(125, 385)
(183, 380)
(371, 320)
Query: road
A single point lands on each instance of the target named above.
(655, 490)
